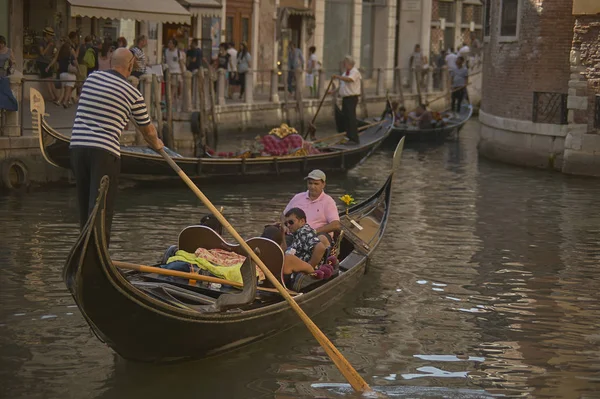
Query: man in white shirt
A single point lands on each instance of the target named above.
(451, 59)
(232, 68)
(349, 90)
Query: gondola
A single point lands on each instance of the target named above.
(452, 127)
(141, 163)
(148, 318)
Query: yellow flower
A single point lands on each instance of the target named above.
(348, 200)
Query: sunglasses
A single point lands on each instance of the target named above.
(290, 222)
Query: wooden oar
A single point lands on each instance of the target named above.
(189, 276)
(311, 128)
(351, 375)
(360, 129)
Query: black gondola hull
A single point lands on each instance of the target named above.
(437, 135)
(138, 326)
(141, 166)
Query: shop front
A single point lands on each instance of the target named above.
(105, 19)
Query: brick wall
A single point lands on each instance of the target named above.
(537, 61)
(586, 40)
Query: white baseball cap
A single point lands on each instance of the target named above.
(316, 174)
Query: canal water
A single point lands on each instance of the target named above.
(485, 285)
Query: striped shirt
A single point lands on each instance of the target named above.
(107, 102)
(140, 62)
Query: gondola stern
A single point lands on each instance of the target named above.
(90, 235)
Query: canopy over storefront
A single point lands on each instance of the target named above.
(203, 8)
(163, 11)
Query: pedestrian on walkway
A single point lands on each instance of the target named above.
(140, 56)
(104, 57)
(312, 70)
(418, 65)
(7, 58)
(451, 58)
(232, 69)
(106, 104)
(295, 61)
(243, 66)
(47, 48)
(194, 57)
(66, 58)
(349, 90)
(174, 59)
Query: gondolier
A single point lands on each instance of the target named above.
(106, 104)
(349, 90)
(460, 80)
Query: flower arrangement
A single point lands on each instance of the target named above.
(348, 200)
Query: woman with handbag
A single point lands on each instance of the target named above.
(7, 58)
(243, 66)
(67, 69)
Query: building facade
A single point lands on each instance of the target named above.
(540, 84)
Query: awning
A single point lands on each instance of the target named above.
(205, 8)
(140, 10)
(303, 12)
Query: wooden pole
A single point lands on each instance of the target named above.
(286, 108)
(400, 86)
(158, 115)
(298, 74)
(213, 111)
(169, 96)
(351, 375)
(311, 128)
(418, 80)
(189, 276)
(202, 107)
(363, 104)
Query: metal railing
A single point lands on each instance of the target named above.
(550, 108)
(208, 89)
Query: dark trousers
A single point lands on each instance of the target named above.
(242, 79)
(457, 97)
(89, 165)
(349, 111)
(291, 80)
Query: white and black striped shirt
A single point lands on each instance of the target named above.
(107, 102)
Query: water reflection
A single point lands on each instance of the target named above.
(485, 285)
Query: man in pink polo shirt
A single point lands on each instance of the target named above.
(320, 209)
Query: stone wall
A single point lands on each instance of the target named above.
(266, 36)
(537, 61)
(586, 42)
(582, 145)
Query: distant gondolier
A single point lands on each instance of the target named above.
(460, 80)
(349, 90)
(107, 101)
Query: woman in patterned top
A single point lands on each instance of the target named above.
(306, 245)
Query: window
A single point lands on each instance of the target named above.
(446, 10)
(338, 33)
(509, 19)
(366, 41)
(229, 29)
(487, 18)
(246, 30)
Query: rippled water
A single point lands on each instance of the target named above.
(486, 284)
